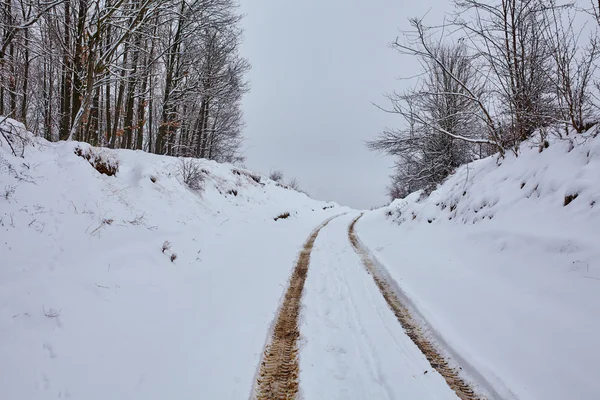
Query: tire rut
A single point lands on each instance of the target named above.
(279, 368)
(410, 326)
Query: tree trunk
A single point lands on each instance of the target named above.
(78, 67)
(141, 115)
(119, 102)
(25, 80)
(65, 90)
(204, 128)
(12, 87)
(91, 128)
(47, 89)
(166, 127)
(150, 114)
(128, 121)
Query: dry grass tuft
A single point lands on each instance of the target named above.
(282, 216)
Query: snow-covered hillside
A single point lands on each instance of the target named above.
(502, 261)
(95, 305)
(133, 284)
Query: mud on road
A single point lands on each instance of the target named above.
(410, 326)
(279, 368)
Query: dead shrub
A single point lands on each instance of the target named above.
(282, 216)
(166, 246)
(191, 173)
(173, 257)
(99, 161)
(294, 184)
(276, 175)
(9, 191)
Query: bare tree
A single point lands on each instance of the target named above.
(441, 120)
(469, 92)
(508, 35)
(516, 67)
(573, 71)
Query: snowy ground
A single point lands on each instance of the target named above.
(501, 262)
(352, 344)
(91, 310)
(504, 273)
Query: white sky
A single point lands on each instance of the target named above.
(316, 67)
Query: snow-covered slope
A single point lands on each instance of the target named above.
(92, 307)
(135, 286)
(503, 263)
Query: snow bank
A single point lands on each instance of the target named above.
(503, 262)
(556, 185)
(93, 304)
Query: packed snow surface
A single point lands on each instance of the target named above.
(353, 346)
(503, 263)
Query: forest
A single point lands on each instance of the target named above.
(163, 76)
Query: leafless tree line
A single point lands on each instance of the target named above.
(164, 76)
(492, 75)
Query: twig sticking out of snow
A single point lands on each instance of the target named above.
(51, 313)
(105, 221)
(101, 286)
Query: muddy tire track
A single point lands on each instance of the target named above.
(279, 368)
(410, 325)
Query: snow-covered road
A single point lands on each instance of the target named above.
(135, 286)
(352, 346)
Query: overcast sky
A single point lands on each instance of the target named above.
(317, 65)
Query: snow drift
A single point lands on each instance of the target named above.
(503, 263)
